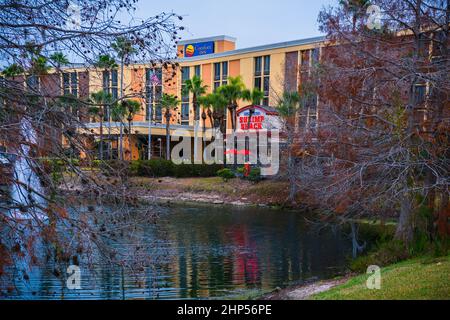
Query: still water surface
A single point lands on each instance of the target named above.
(210, 252)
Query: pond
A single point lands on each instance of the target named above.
(210, 252)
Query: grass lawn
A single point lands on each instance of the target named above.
(422, 278)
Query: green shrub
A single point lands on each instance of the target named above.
(196, 170)
(152, 168)
(75, 162)
(225, 174)
(255, 175)
(164, 168)
(387, 253)
(96, 163)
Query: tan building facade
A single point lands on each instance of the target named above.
(271, 68)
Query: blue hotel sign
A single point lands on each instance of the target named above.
(198, 49)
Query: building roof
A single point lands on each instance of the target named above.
(278, 45)
(215, 38)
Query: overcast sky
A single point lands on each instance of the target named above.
(252, 22)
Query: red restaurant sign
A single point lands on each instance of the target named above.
(255, 122)
(259, 119)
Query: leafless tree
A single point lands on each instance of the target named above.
(381, 149)
(47, 196)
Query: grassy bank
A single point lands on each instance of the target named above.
(269, 192)
(420, 278)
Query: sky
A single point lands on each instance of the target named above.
(252, 22)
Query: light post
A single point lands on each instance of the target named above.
(160, 147)
(149, 130)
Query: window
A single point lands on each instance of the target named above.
(419, 93)
(110, 86)
(224, 73)
(197, 71)
(220, 74)
(216, 75)
(258, 64)
(32, 83)
(305, 58)
(311, 108)
(153, 93)
(262, 76)
(309, 114)
(185, 107)
(266, 91)
(70, 83)
(438, 47)
(315, 55)
(424, 43)
(309, 58)
(266, 65)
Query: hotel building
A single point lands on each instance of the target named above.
(272, 68)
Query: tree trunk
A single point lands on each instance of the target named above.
(292, 175)
(120, 124)
(406, 223)
(101, 138)
(167, 136)
(405, 226)
(196, 127)
(443, 216)
(129, 140)
(356, 247)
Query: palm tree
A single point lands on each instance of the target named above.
(356, 8)
(99, 100)
(195, 87)
(13, 70)
(219, 105)
(205, 102)
(59, 59)
(232, 92)
(168, 102)
(288, 106)
(254, 96)
(39, 64)
(106, 62)
(124, 49)
(127, 108)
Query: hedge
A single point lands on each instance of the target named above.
(164, 168)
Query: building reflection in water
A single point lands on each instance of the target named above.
(212, 252)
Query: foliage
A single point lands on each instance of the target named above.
(289, 104)
(254, 96)
(233, 91)
(32, 34)
(105, 61)
(13, 70)
(59, 59)
(166, 168)
(127, 107)
(169, 101)
(386, 250)
(124, 48)
(226, 174)
(255, 175)
(195, 87)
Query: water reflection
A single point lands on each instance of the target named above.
(203, 252)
